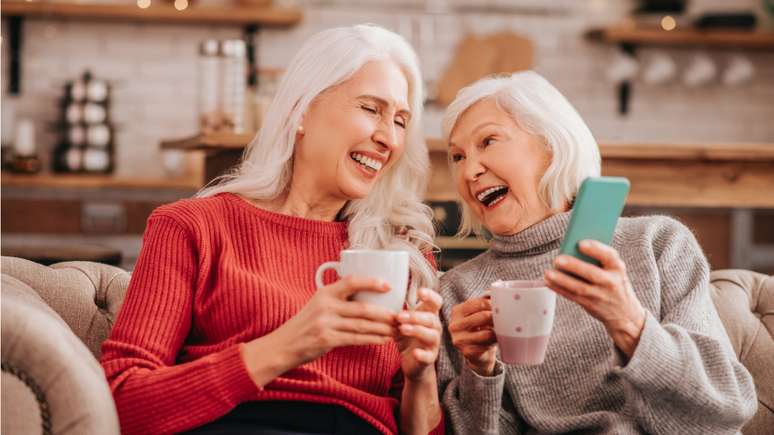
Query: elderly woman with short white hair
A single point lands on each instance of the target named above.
(636, 347)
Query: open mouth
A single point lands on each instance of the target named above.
(366, 162)
(492, 196)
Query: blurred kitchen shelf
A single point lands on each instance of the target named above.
(48, 180)
(629, 34)
(166, 13)
(215, 141)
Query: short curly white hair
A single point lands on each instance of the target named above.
(541, 110)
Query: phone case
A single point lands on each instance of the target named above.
(595, 213)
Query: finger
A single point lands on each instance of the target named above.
(362, 326)
(421, 318)
(473, 306)
(424, 356)
(589, 272)
(343, 338)
(569, 284)
(485, 337)
(362, 310)
(427, 336)
(351, 284)
(430, 300)
(561, 291)
(607, 255)
(476, 320)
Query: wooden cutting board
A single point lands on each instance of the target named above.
(477, 56)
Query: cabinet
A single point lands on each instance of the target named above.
(46, 214)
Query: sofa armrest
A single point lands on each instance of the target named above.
(745, 302)
(50, 379)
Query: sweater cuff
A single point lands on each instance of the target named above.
(234, 384)
(483, 396)
(656, 364)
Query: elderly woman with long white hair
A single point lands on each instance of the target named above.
(222, 329)
(636, 347)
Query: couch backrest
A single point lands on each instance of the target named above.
(745, 303)
(86, 295)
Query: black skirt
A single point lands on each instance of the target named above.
(287, 418)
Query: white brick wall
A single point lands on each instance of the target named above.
(153, 69)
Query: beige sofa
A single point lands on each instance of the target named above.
(54, 319)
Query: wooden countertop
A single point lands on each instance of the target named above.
(762, 152)
(49, 180)
(758, 152)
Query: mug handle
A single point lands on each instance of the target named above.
(318, 277)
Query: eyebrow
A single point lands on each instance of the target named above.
(383, 102)
(475, 130)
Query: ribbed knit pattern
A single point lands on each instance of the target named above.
(683, 378)
(214, 273)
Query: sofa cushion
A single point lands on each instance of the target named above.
(51, 364)
(745, 303)
(86, 295)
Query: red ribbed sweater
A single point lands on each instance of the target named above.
(214, 273)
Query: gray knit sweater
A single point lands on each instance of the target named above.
(683, 377)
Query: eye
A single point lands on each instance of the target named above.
(400, 123)
(456, 157)
(369, 109)
(487, 141)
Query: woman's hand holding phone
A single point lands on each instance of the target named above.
(605, 292)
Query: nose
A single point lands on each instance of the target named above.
(386, 136)
(472, 168)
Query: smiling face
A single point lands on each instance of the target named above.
(497, 168)
(353, 133)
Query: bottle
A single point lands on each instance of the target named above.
(209, 86)
(234, 83)
(25, 157)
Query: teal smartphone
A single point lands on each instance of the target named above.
(595, 214)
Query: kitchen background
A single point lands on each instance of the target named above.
(156, 74)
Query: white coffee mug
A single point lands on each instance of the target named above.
(390, 266)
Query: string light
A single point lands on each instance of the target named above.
(143, 4)
(668, 23)
(181, 5)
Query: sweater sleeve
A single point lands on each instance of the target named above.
(473, 403)
(684, 376)
(153, 394)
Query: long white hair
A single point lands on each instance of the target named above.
(392, 216)
(540, 110)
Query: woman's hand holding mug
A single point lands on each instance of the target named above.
(472, 332)
(329, 320)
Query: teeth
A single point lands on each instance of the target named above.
(367, 161)
(496, 201)
(484, 194)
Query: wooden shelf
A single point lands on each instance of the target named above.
(660, 151)
(754, 152)
(445, 242)
(207, 142)
(48, 180)
(166, 13)
(631, 34)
